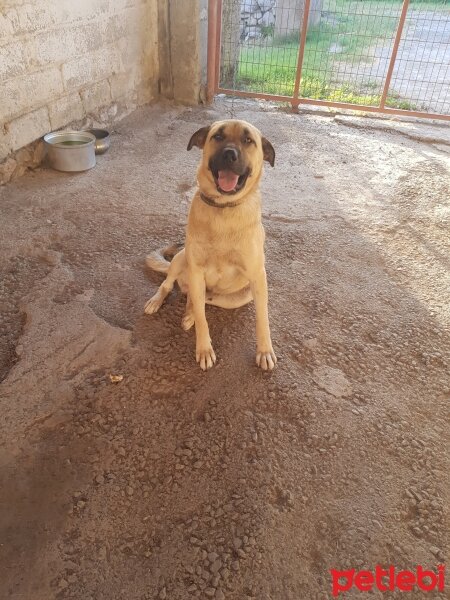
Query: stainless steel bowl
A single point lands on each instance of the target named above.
(103, 140)
(70, 150)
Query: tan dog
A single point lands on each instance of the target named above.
(223, 260)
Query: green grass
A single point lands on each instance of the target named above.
(414, 4)
(269, 66)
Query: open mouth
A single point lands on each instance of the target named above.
(229, 182)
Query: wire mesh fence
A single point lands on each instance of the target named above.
(360, 52)
(422, 69)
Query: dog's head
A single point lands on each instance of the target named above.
(233, 155)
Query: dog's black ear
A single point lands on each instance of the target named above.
(268, 150)
(199, 138)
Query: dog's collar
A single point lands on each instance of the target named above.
(212, 202)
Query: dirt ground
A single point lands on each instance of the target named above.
(232, 483)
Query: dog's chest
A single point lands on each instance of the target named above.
(223, 271)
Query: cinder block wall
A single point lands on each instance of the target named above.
(66, 61)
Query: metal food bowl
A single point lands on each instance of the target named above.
(70, 150)
(103, 140)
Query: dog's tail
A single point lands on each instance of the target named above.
(159, 260)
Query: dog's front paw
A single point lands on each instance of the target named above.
(154, 304)
(266, 359)
(205, 357)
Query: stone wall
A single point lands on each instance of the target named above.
(289, 16)
(267, 18)
(257, 18)
(89, 62)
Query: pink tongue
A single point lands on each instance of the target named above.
(227, 180)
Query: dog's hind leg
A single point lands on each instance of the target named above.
(188, 319)
(175, 269)
(234, 300)
(155, 301)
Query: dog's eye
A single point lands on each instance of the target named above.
(218, 137)
(248, 140)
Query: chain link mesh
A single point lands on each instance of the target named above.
(347, 51)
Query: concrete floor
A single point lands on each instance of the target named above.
(233, 483)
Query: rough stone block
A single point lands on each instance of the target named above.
(25, 155)
(6, 170)
(62, 45)
(84, 10)
(122, 83)
(31, 18)
(6, 29)
(90, 68)
(38, 152)
(29, 127)
(115, 28)
(5, 144)
(11, 20)
(96, 96)
(18, 171)
(14, 60)
(65, 110)
(145, 92)
(21, 94)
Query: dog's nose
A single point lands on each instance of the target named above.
(230, 155)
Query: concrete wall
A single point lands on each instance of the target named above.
(183, 40)
(83, 62)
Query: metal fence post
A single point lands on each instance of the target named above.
(214, 35)
(398, 37)
(301, 52)
(218, 43)
(211, 59)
